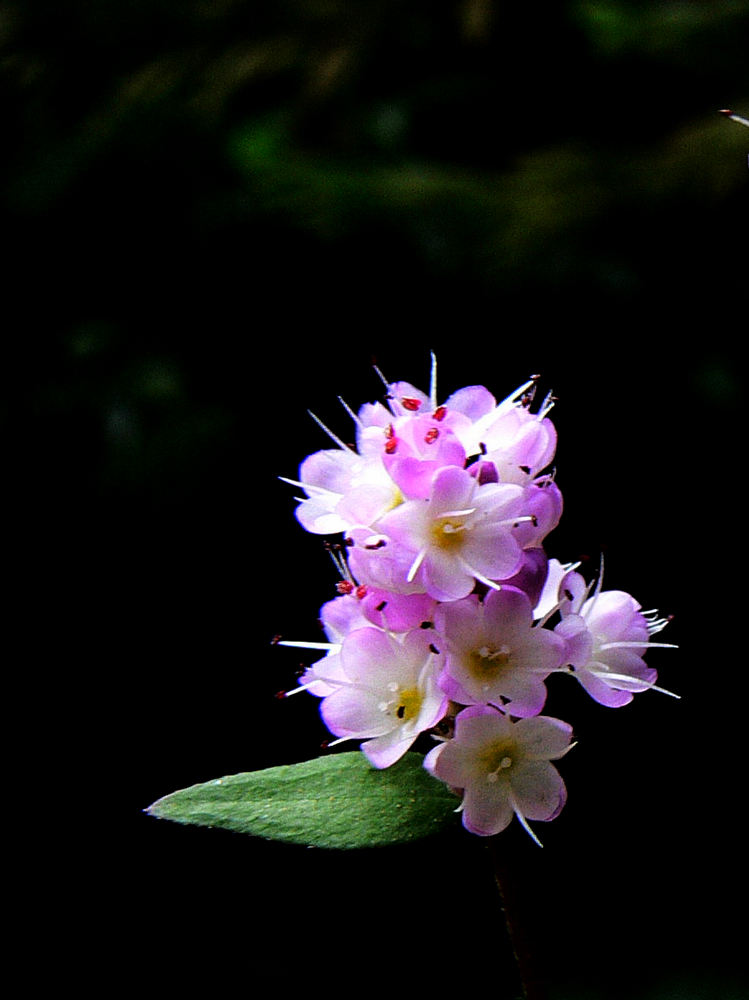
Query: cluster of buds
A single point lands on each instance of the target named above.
(450, 617)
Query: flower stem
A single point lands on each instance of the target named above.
(534, 987)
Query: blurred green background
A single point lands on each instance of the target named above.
(216, 214)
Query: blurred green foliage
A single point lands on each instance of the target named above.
(162, 161)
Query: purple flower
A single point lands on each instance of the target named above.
(606, 637)
(386, 692)
(503, 768)
(493, 653)
(461, 534)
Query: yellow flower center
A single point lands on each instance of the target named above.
(499, 758)
(409, 704)
(486, 663)
(448, 533)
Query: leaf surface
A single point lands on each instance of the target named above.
(339, 802)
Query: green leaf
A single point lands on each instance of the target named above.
(339, 801)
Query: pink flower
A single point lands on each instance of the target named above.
(386, 692)
(493, 653)
(606, 637)
(461, 534)
(503, 768)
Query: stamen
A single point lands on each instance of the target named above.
(330, 434)
(735, 118)
(546, 406)
(479, 576)
(350, 412)
(309, 487)
(646, 644)
(433, 383)
(310, 645)
(334, 743)
(523, 821)
(382, 377)
(415, 566)
(633, 680)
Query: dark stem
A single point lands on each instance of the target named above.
(534, 987)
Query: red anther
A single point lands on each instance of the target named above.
(440, 413)
(280, 695)
(391, 445)
(361, 591)
(409, 403)
(670, 618)
(431, 435)
(726, 111)
(325, 744)
(533, 378)
(344, 586)
(275, 640)
(347, 543)
(321, 624)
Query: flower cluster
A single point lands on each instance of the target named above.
(450, 616)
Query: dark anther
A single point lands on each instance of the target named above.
(569, 595)
(434, 649)
(482, 447)
(381, 606)
(526, 469)
(348, 542)
(426, 625)
(280, 695)
(377, 545)
(400, 711)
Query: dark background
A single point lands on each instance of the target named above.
(216, 215)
